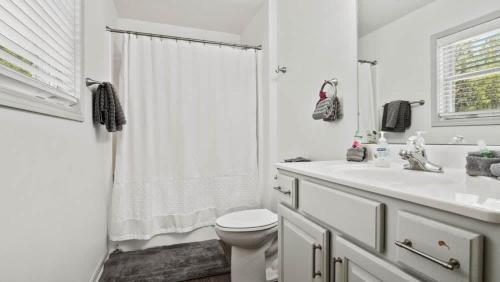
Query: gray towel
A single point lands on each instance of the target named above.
(392, 114)
(495, 169)
(107, 109)
(481, 166)
(403, 120)
(356, 154)
(328, 109)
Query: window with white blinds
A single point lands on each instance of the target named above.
(40, 47)
(468, 73)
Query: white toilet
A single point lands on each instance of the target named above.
(250, 233)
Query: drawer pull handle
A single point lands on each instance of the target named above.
(314, 272)
(278, 188)
(451, 264)
(335, 260)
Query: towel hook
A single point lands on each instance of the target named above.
(333, 83)
(89, 81)
(280, 69)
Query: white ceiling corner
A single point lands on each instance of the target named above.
(373, 14)
(229, 16)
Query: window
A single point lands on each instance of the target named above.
(40, 60)
(467, 74)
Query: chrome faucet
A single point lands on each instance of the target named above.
(416, 156)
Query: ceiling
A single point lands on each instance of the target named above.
(373, 14)
(218, 15)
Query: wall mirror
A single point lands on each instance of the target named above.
(441, 56)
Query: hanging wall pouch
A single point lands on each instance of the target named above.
(328, 107)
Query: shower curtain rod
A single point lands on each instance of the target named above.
(373, 63)
(242, 46)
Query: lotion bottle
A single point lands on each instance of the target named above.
(382, 154)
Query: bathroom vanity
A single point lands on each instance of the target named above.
(342, 221)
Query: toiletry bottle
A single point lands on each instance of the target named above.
(483, 150)
(357, 140)
(420, 141)
(382, 154)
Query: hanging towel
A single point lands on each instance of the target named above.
(107, 109)
(403, 118)
(393, 114)
(328, 108)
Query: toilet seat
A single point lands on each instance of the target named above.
(248, 220)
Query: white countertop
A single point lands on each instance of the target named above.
(453, 191)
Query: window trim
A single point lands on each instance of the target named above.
(20, 92)
(470, 120)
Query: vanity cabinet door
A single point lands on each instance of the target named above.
(353, 264)
(303, 248)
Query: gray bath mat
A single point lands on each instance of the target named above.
(169, 263)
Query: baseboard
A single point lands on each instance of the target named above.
(98, 270)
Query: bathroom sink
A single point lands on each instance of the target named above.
(396, 175)
(453, 189)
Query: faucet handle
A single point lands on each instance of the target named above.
(405, 154)
(420, 141)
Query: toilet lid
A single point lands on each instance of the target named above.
(250, 219)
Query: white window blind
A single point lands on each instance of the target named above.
(468, 73)
(40, 47)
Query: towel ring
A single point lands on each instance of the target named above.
(333, 83)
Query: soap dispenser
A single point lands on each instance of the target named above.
(382, 154)
(420, 142)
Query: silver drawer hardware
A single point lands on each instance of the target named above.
(276, 177)
(278, 188)
(451, 264)
(314, 272)
(335, 260)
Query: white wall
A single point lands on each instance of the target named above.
(258, 32)
(151, 27)
(55, 180)
(402, 49)
(316, 41)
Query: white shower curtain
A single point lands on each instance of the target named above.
(367, 98)
(189, 150)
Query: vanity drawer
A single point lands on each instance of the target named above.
(437, 250)
(287, 190)
(352, 263)
(354, 216)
